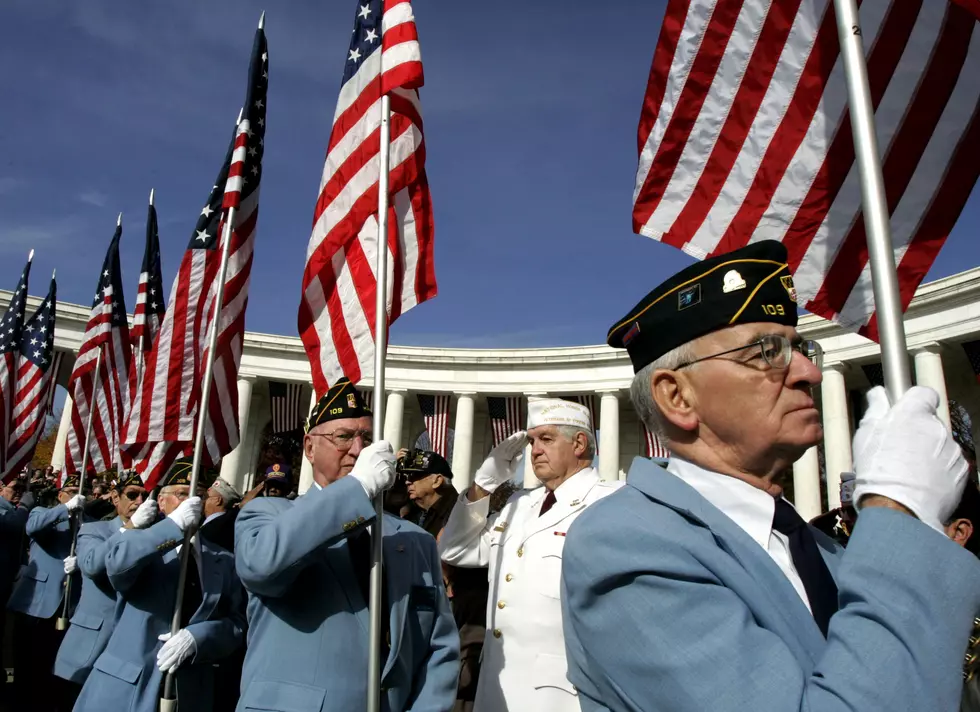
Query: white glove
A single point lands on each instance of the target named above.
(145, 514)
(906, 453)
(176, 650)
(375, 468)
(501, 464)
(75, 503)
(187, 515)
(71, 564)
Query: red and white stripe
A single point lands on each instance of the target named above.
(35, 399)
(337, 311)
(745, 135)
(505, 416)
(435, 414)
(146, 324)
(653, 447)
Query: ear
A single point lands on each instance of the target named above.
(437, 482)
(114, 497)
(581, 444)
(308, 448)
(671, 392)
(960, 531)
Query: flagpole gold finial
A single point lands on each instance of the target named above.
(262, 20)
(151, 196)
(119, 220)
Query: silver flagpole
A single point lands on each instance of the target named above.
(884, 277)
(62, 622)
(168, 703)
(380, 352)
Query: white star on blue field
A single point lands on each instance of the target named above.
(530, 113)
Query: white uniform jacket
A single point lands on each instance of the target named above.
(524, 664)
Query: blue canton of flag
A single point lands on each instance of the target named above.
(10, 331)
(37, 339)
(366, 37)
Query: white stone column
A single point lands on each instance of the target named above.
(58, 456)
(305, 466)
(836, 429)
(806, 484)
(609, 436)
(394, 416)
(233, 467)
(929, 372)
(463, 441)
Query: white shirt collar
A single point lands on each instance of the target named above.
(749, 507)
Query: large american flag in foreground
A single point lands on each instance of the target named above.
(505, 416)
(10, 333)
(37, 373)
(104, 395)
(150, 304)
(745, 135)
(337, 310)
(435, 415)
(164, 414)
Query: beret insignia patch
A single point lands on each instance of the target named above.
(733, 281)
(787, 282)
(689, 297)
(351, 401)
(632, 333)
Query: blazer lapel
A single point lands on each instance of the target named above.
(337, 559)
(673, 492)
(398, 562)
(569, 499)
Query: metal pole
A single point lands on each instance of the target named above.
(168, 702)
(62, 622)
(884, 277)
(380, 351)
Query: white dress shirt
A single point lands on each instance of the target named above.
(749, 507)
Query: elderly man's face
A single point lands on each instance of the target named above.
(66, 493)
(552, 454)
(13, 491)
(757, 412)
(127, 501)
(170, 497)
(333, 447)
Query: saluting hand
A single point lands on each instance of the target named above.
(145, 515)
(375, 468)
(75, 503)
(501, 464)
(187, 516)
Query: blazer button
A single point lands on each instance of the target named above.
(509, 577)
(520, 552)
(497, 633)
(501, 604)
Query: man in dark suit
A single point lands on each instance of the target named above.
(220, 512)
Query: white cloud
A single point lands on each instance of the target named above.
(93, 197)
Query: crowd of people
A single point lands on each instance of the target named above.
(689, 587)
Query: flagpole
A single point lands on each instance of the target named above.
(380, 352)
(884, 276)
(62, 622)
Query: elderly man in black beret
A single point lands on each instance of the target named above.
(428, 479)
(700, 587)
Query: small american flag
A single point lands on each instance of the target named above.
(10, 341)
(164, 415)
(652, 445)
(435, 414)
(972, 350)
(505, 416)
(37, 375)
(287, 404)
(150, 304)
(104, 394)
(745, 134)
(337, 310)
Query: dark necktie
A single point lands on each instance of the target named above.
(821, 590)
(549, 500)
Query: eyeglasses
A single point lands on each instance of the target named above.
(343, 440)
(776, 351)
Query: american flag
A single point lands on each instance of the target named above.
(652, 445)
(435, 414)
(37, 374)
(164, 415)
(150, 305)
(588, 400)
(745, 135)
(972, 350)
(505, 416)
(104, 394)
(10, 333)
(286, 400)
(336, 313)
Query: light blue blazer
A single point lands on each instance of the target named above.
(143, 566)
(13, 521)
(40, 586)
(669, 605)
(308, 621)
(93, 621)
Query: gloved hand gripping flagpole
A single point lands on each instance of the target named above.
(381, 349)
(168, 702)
(884, 276)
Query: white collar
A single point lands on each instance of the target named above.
(749, 507)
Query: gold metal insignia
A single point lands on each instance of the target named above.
(787, 282)
(732, 282)
(351, 401)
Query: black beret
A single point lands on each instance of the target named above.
(341, 401)
(179, 473)
(751, 284)
(130, 478)
(421, 463)
(72, 480)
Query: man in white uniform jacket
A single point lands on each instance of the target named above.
(524, 664)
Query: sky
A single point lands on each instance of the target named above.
(530, 114)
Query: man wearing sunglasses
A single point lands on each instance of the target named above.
(306, 566)
(699, 587)
(93, 621)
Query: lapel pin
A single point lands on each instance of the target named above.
(573, 502)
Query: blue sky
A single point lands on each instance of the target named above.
(530, 111)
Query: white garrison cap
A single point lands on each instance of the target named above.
(227, 491)
(553, 411)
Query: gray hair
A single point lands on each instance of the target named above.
(641, 389)
(570, 431)
(228, 493)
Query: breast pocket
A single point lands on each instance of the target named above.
(547, 566)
